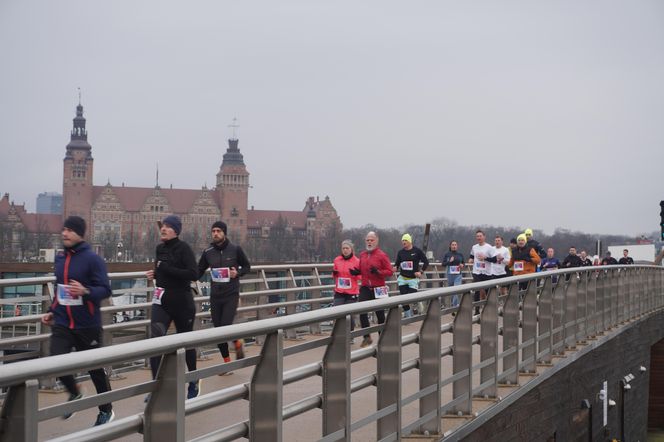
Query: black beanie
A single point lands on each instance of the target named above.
(220, 225)
(174, 222)
(77, 224)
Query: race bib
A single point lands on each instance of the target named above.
(518, 266)
(406, 265)
(455, 270)
(343, 283)
(157, 295)
(381, 292)
(66, 298)
(480, 265)
(220, 274)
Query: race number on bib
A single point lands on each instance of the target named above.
(381, 292)
(157, 295)
(455, 270)
(343, 283)
(518, 266)
(66, 298)
(480, 265)
(220, 274)
(407, 265)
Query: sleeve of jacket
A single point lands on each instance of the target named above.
(189, 271)
(386, 266)
(397, 261)
(244, 266)
(203, 265)
(535, 257)
(100, 287)
(425, 260)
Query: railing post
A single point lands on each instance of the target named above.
(266, 392)
(570, 312)
(511, 335)
(47, 296)
(544, 331)
(558, 318)
(314, 328)
(388, 375)
(591, 304)
(19, 413)
(489, 345)
(462, 355)
(164, 413)
(262, 313)
(429, 368)
(336, 381)
(623, 297)
(581, 307)
(529, 328)
(613, 283)
(291, 333)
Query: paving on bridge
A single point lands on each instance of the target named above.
(305, 427)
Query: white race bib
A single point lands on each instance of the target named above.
(480, 265)
(406, 265)
(220, 274)
(66, 298)
(343, 283)
(455, 270)
(518, 266)
(157, 295)
(381, 292)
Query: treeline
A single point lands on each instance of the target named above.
(443, 231)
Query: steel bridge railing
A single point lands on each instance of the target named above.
(515, 331)
(265, 292)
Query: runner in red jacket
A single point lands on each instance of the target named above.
(375, 266)
(346, 271)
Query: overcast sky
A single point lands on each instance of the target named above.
(523, 113)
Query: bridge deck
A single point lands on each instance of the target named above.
(305, 427)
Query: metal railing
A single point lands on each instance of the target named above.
(267, 291)
(515, 330)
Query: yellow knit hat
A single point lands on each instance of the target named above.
(407, 237)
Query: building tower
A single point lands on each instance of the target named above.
(77, 172)
(233, 191)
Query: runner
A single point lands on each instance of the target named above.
(499, 259)
(227, 263)
(407, 264)
(375, 266)
(346, 271)
(74, 315)
(481, 268)
(524, 259)
(550, 263)
(626, 259)
(453, 262)
(172, 300)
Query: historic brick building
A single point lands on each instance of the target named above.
(122, 220)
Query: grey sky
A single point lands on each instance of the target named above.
(530, 113)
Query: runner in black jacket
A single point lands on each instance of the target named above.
(222, 256)
(172, 300)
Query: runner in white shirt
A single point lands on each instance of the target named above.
(500, 257)
(481, 267)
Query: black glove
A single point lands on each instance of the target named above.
(374, 270)
(355, 271)
(335, 272)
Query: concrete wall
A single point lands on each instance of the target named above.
(553, 411)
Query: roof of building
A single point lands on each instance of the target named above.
(268, 218)
(132, 199)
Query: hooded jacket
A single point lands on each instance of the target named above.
(80, 263)
(341, 269)
(528, 256)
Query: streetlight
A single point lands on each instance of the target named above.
(119, 248)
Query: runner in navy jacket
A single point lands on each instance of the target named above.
(74, 317)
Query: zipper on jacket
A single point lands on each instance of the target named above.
(66, 280)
